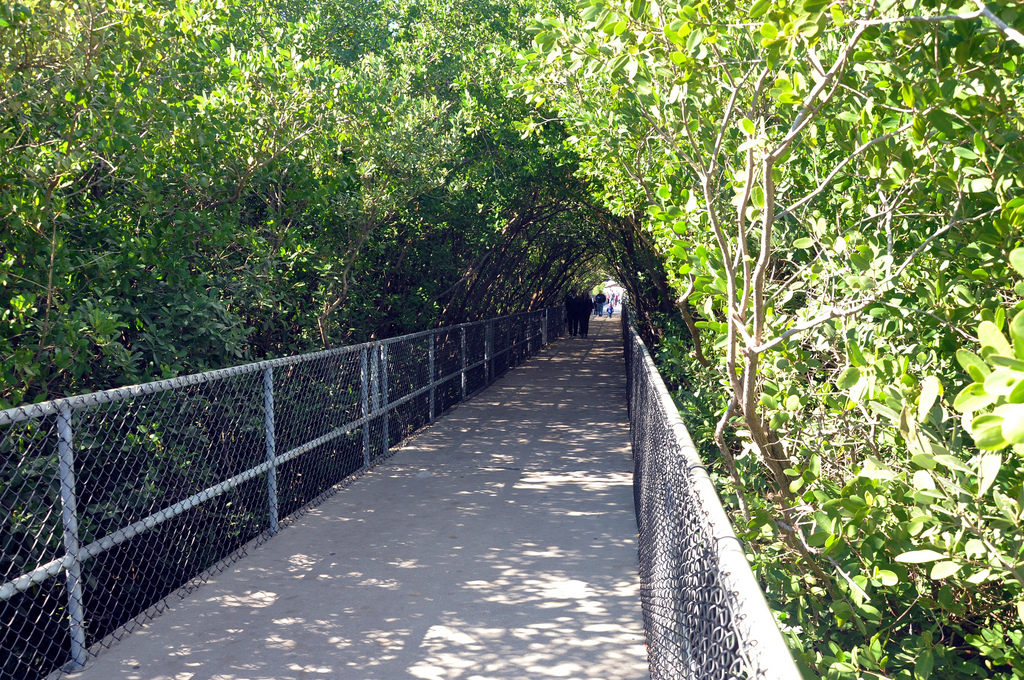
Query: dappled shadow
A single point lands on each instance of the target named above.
(499, 544)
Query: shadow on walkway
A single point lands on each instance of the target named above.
(498, 543)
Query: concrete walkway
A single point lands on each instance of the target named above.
(499, 543)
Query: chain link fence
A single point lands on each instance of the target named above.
(113, 501)
(705, 616)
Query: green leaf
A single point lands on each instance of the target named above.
(1013, 422)
(631, 67)
(759, 8)
(592, 12)
(857, 356)
(991, 337)
(922, 480)
(972, 398)
(941, 570)
(1017, 260)
(918, 129)
(1003, 361)
(974, 548)
(888, 578)
(979, 577)
(919, 556)
(881, 409)
(848, 378)
(803, 242)
(748, 126)
(1006, 505)
(814, 6)
(973, 364)
(907, 92)
(979, 185)
(757, 196)
(988, 470)
(1017, 334)
(1017, 395)
(952, 462)
(979, 143)
(931, 388)
(923, 460)
(990, 438)
(1002, 381)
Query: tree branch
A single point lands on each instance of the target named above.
(824, 184)
(837, 313)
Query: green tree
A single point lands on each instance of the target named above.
(834, 186)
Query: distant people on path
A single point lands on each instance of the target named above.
(599, 301)
(611, 309)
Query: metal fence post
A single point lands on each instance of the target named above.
(364, 374)
(431, 368)
(66, 466)
(544, 329)
(374, 378)
(268, 426)
(488, 351)
(462, 373)
(382, 385)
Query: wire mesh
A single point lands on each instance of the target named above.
(705, 616)
(110, 502)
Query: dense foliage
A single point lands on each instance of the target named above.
(189, 184)
(839, 188)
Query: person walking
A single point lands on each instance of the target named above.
(611, 309)
(572, 315)
(599, 301)
(586, 307)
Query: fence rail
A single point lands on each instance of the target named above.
(705, 616)
(111, 501)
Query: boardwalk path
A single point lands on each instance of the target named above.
(499, 543)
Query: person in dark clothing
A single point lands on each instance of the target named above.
(572, 315)
(599, 301)
(578, 308)
(586, 306)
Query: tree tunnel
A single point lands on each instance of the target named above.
(831, 192)
(269, 182)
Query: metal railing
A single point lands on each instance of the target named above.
(705, 616)
(111, 501)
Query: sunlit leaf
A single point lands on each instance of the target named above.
(941, 570)
(919, 556)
